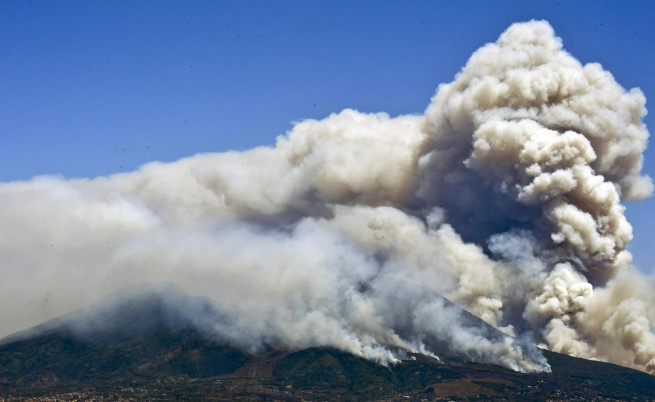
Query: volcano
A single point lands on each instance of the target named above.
(148, 341)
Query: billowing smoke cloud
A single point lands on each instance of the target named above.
(363, 232)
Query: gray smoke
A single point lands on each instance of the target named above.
(504, 198)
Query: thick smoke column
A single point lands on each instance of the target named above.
(549, 146)
(359, 230)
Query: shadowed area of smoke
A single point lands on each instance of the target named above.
(503, 198)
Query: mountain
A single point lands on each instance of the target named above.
(130, 313)
(143, 343)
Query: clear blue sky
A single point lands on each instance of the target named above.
(92, 88)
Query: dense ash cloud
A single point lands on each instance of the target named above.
(503, 198)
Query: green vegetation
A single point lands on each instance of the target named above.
(186, 366)
(59, 358)
(336, 372)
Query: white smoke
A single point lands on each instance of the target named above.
(504, 198)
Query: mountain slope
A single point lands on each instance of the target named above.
(153, 350)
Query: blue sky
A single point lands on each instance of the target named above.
(94, 88)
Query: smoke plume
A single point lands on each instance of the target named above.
(365, 232)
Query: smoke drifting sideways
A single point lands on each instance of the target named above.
(504, 198)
